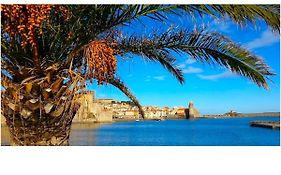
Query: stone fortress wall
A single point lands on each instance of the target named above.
(191, 112)
(90, 110)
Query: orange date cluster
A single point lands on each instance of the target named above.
(24, 20)
(101, 61)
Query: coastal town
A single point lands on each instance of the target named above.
(107, 110)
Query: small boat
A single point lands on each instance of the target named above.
(137, 120)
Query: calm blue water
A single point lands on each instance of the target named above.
(203, 132)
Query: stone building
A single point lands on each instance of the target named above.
(91, 110)
(191, 112)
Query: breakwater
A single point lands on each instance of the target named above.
(266, 124)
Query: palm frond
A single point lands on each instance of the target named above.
(203, 46)
(62, 38)
(116, 82)
(240, 14)
(149, 49)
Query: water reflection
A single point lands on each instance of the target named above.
(81, 134)
(202, 132)
(84, 134)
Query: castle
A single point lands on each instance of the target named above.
(91, 110)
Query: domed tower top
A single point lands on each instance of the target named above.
(190, 104)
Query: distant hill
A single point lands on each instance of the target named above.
(235, 114)
(263, 114)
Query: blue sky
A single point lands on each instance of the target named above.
(214, 90)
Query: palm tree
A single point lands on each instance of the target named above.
(50, 52)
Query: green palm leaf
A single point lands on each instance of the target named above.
(241, 14)
(203, 46)
(116, 82)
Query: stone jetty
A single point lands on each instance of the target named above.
(266, 124)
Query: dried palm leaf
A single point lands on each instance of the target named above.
(28, 87)
(58, 112)
(25, 113)
(32, 104)
(48, 107)
(45, 94)
(57, 85)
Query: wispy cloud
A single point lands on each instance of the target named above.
(221, 25)
(215, 77)
(148, 78)
(190, 61)
(181, 66)
(267, 38)
(159, 78)
(187, 62)
(192, 70)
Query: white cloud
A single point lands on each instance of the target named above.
(181, 66)
(159, 78)
(215, 77)
(192, 70)
(223, 26)
(190, 61)
(267, 38)
(187, 62)
(148, 78)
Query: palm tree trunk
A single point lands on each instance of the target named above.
(24, 133)
(36, 119)
(46, 131)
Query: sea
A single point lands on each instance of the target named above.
(198, 132)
